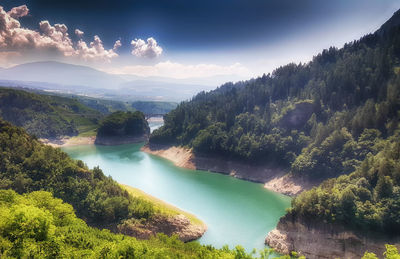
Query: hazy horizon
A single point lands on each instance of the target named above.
(182, 40)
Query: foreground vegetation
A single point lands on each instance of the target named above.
(37, 225)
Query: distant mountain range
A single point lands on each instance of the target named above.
(62, 77)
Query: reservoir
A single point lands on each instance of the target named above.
(236, 212)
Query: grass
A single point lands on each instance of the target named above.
(162, 206)
(87, 130)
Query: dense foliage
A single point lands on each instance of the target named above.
(320, 119)
(123, 124)
(26, 165)
(367, 199)
(46, 116)
(37, 225)
(390, 253)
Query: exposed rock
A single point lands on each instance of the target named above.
(323, 240)
(289, 184)
(169, 225)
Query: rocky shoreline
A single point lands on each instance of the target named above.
(273, 178)
(317, 240)
(170, 225)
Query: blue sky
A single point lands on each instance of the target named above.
(239, 37)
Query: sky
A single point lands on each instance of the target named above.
(237, 39)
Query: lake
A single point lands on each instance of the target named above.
(235, 211)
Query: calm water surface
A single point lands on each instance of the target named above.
(235, 211)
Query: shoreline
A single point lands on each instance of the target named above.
(274, 178)
(68, 141)
(169, 219)
(91, 140)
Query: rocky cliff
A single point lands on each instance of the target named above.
(322, 240)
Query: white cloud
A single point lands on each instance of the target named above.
(18, 11)
(79, 33)
(117, 44)
(148, 49)
(50, 38)
(95, 50)
(181, 71)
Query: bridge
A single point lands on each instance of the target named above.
(149, 115)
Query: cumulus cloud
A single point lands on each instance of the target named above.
(55, 37)
(18, 11)
(117, 44)
(148, 49)
(95, 50)
(181, 71)
(79, 33)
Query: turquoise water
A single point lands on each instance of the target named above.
(235, 211)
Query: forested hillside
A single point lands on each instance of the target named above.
(319, 119)
(367, 200)
(27, 165)
(47, 116)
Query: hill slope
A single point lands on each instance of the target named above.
(47, 116)
(297, 117)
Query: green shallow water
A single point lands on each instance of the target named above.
(235, 211)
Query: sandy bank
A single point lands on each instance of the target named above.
(273, 178)
(69, 141)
